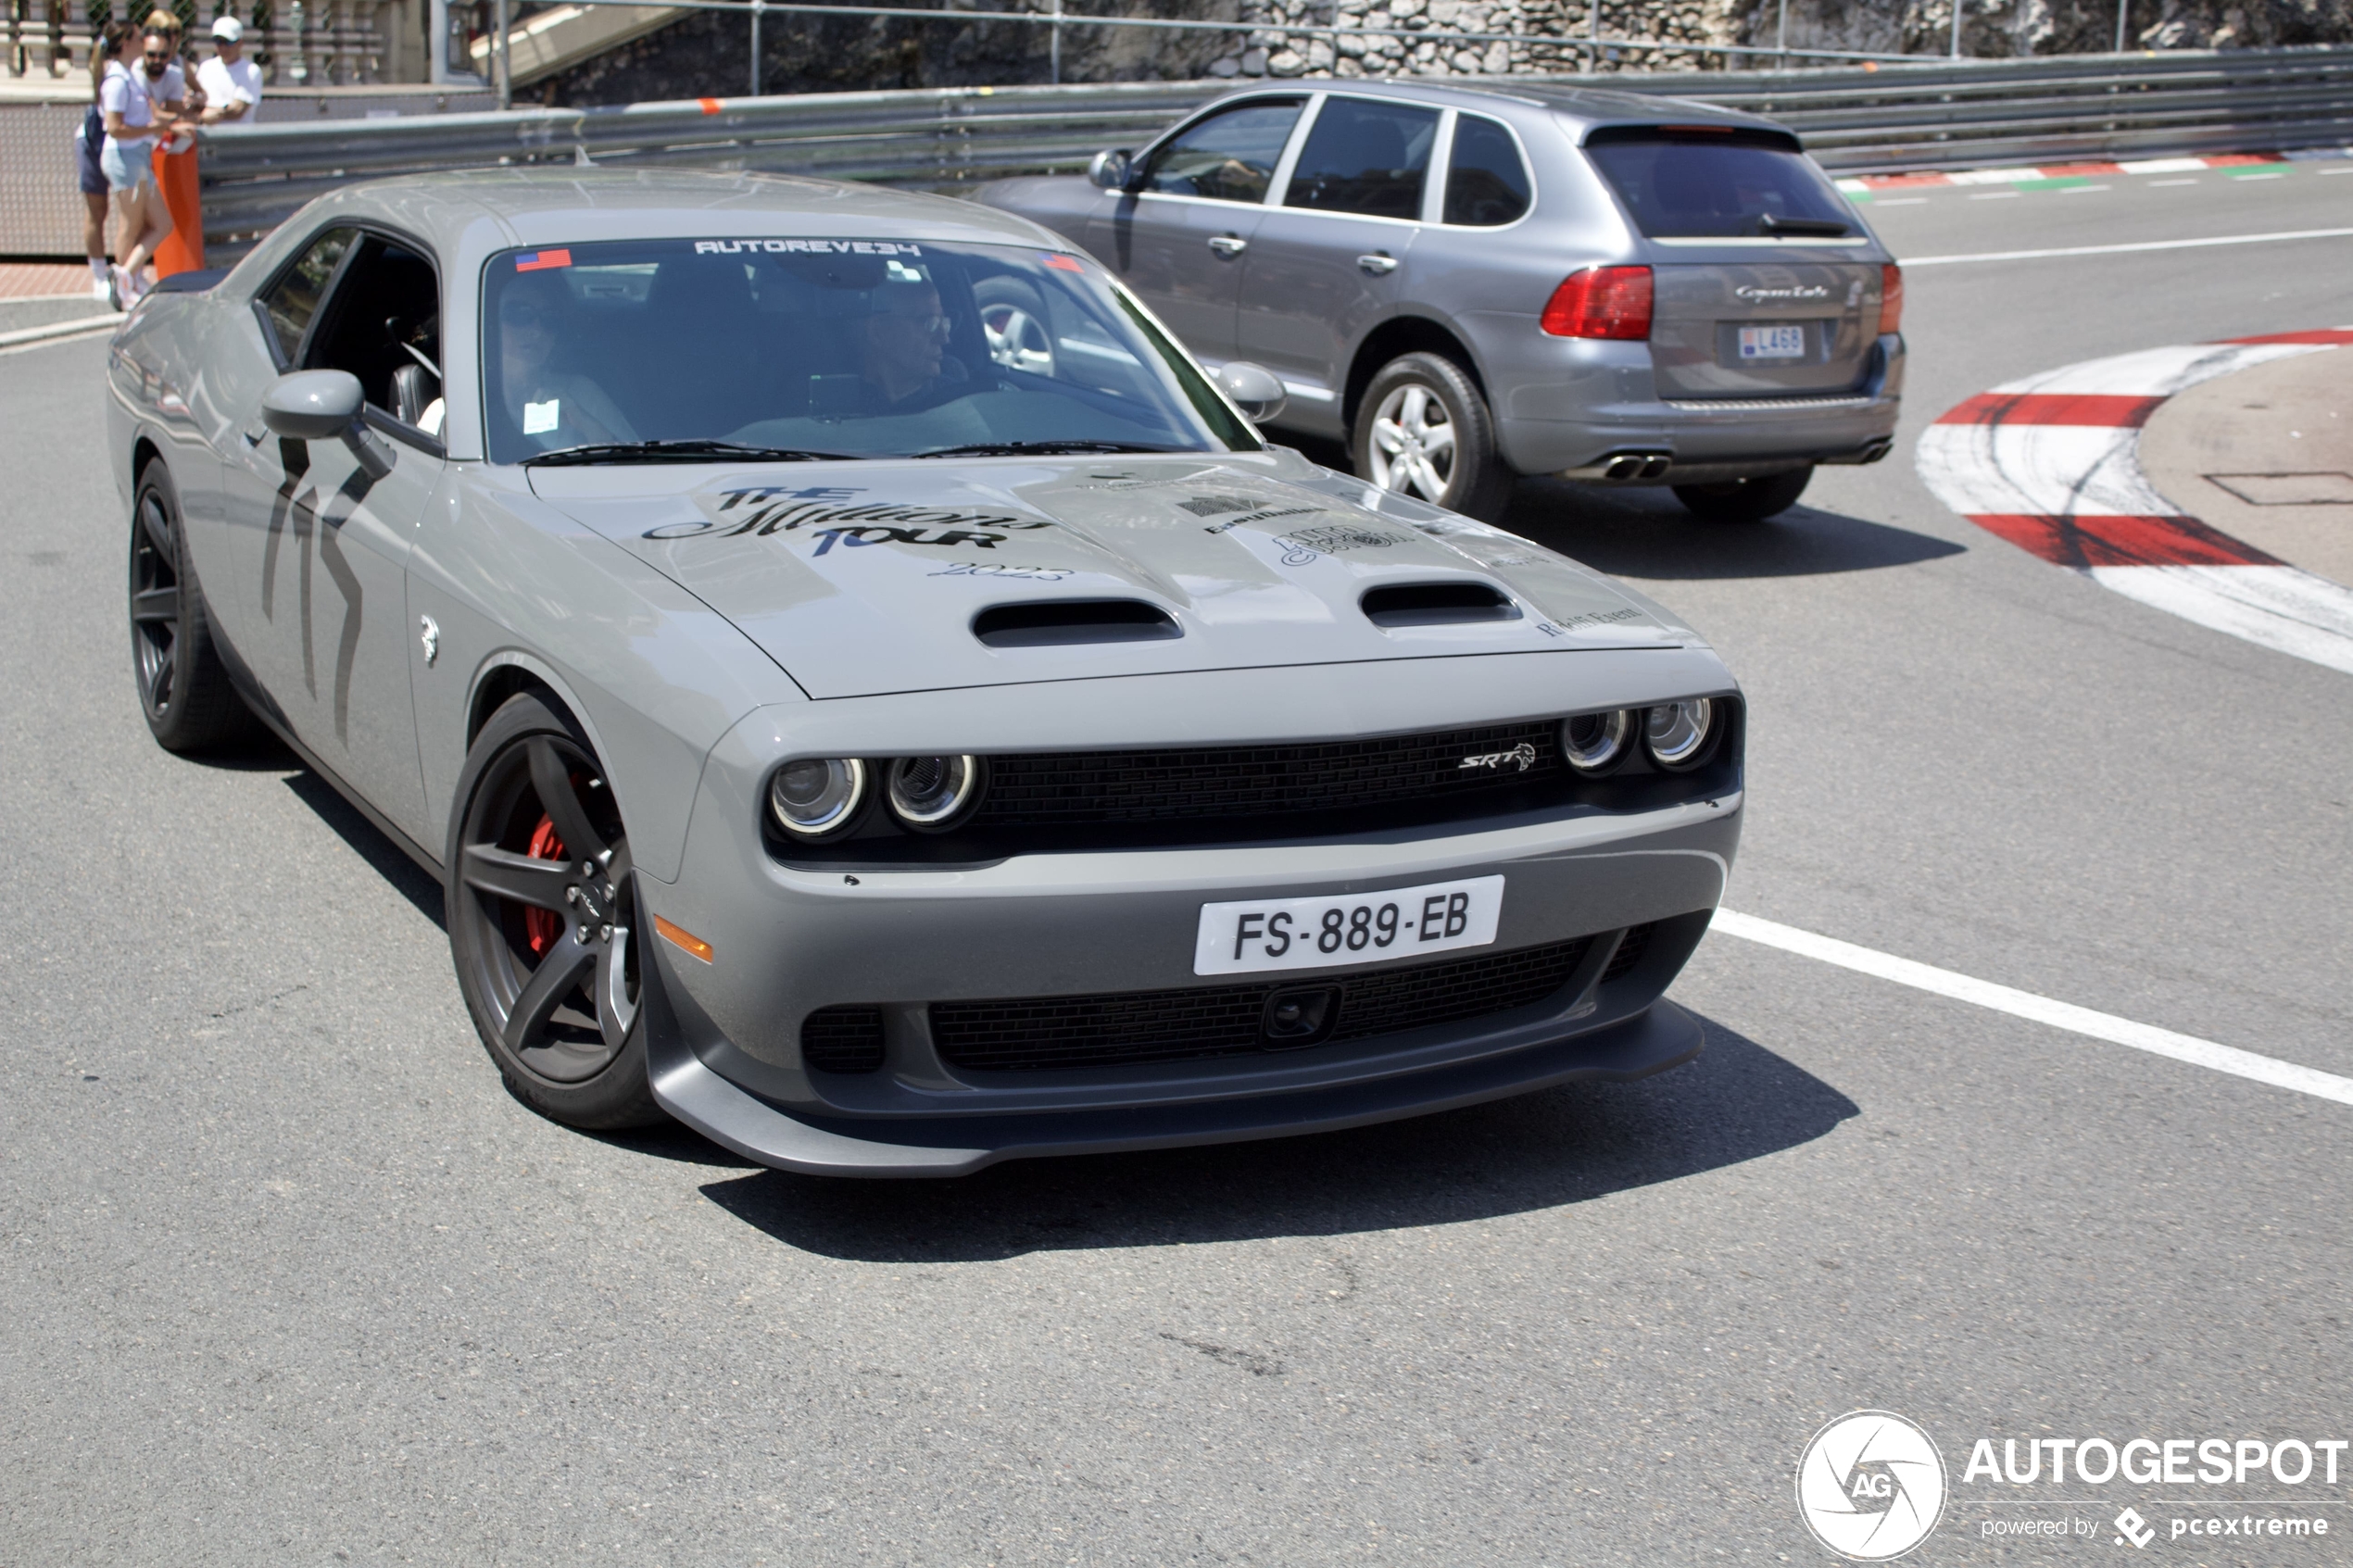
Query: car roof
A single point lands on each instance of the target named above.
(561, 204)
(1586, 106)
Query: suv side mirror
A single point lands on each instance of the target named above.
(323, 406)
(1110, 170)
(1255, 390)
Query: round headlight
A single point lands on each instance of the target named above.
(1594, 743)
(930, 793)
(816, 795)
(1675, 734)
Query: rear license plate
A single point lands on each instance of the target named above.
(1271, 934)
(1773, 343)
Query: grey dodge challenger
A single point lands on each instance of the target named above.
(869, 694)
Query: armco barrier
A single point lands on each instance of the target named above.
(1946, 115)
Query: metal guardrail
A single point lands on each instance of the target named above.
(1853, 121)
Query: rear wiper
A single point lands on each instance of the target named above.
(1036, 448)
(1829, 228)
(680, 452)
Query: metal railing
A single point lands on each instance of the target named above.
(298, 43)
(1853, 121)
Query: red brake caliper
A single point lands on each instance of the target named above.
(543, 927)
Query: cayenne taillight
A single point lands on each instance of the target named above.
(1890, 303)
(1613, 302)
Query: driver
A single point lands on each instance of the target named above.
(905, 361)
(554, 408)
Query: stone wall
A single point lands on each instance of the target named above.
(707, 53)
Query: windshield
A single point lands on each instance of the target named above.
(865, 348)
(1696, 184)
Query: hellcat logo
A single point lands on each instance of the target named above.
(1523, 754)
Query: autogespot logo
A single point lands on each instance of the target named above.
(1871, 1486)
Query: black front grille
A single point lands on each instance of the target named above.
(1629, 951)
(1200, 1023)
(847, 1039)
(1060, 788)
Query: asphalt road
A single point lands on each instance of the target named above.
(285, 1277)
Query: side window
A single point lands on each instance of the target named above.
(1365, 157)
(1229, 157)
(1486, 182)
(384, 325)
(291, 301)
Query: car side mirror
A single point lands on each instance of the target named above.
(1110, 170)
(323, 406)
(1255, 390)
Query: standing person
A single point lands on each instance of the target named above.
(138, 105)
(181, 250)
(111, 50)
(232, 83)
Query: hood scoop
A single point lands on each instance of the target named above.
(1435, 604)
(1061, 623)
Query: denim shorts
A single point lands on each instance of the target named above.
(127, 165)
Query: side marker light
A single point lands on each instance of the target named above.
(680, 937)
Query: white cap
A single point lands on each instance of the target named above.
(228, 30)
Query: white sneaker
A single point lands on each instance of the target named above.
(101, 288)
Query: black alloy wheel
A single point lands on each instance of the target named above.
(543, 923)
(183, 689)
(1423, 429)
(1746, 500)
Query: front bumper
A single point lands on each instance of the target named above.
(724, 1037)
(1660, 1037)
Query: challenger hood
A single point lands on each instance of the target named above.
(865, 578)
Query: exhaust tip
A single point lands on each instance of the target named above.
(1655, 466)
(1620, 468)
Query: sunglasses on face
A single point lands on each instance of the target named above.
(157, 62)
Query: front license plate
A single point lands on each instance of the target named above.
(1269, 934)
(1773, 343)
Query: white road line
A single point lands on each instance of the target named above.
(1995, 195)
(2259, 176)
(2081, 189)
(1915, 201)
(2334, 172)
(2040, 1009)
(2154, 183)
(2117, 250)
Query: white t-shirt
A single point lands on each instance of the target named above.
(122, 92)
(224, 83)
(134, 95)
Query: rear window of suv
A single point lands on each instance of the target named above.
(1717, 184)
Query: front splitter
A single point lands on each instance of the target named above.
(1661, 1036)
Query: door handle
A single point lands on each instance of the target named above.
(1229, 246)
(1379, 264)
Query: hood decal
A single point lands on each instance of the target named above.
(864, 578)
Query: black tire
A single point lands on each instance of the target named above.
(1391, 445)
(1746, 500)
(541, 911)
(183, 687)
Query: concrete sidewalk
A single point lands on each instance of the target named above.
(2266, 456)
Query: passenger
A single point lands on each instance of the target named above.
(553, 407)
(907, 364)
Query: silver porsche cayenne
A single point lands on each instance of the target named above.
(1471, 284)
(870, 696)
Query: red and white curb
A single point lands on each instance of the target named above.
(2051, 463)
(2070, 172)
